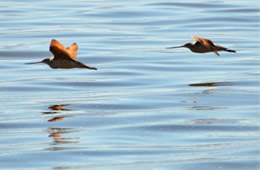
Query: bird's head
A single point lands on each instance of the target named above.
(187, 45)
(46, 61)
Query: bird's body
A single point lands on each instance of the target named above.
(64, 58)
(202, 45)
(64, 63)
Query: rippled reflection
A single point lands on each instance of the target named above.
(216, 121)
(208, 91)
(212, 84)
(204, 108)
(56, 109)
(59, 118)
(57, 135)
(59, 107)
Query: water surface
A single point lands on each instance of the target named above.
(147, 107)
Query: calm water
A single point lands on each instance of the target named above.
(146, 107)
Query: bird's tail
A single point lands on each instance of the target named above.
(85, 66)
(91, 68)
(219, 48)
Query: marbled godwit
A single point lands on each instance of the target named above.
(63, 57)
(202, 45)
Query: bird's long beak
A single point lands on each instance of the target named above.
(34, 62)
(175, 47)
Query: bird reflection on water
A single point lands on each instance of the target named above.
(56, 109)
(211, 84)
(57, 133)
(59, 107)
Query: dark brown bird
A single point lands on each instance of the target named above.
(63, 57)
(202, 45)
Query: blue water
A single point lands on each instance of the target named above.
(146, 107)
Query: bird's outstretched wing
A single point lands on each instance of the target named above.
(59, 51)
(207, 43)
(73, 50)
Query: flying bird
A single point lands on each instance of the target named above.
(64, 58)
(202, 45)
